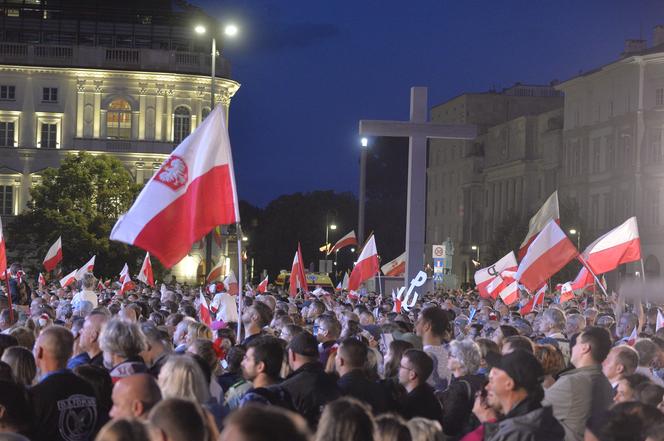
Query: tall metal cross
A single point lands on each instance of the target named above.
(418, 130)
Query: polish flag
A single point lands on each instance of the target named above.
(618, 246)
(344, 282)
(230, 282)
(396, 267)
(216, 271)
(193, 192)
(262, 287)
(510, 293)
(547, 212)
(660, 320)
(54, 255)
(547, 254)
(68, 279)
(535, 301)
(566, 292)
(204, 309)
(583, 280)
(633, 337)
(298, 278)
(127, 284)
(346, 241)
(146, 275)
(124, 274)
(486, 276)
(87, 268)
(41, 281)
(366, 266)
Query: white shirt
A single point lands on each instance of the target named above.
(225, 306)
(441, 374)
(88, 296)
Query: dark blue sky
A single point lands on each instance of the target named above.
(311, 69)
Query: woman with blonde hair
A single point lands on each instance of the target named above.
(182, 377)
(346, 419)
(196, 330)
(422, 429)
(22, 363)
(124, 429)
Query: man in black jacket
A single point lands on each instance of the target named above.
(309, 386)
(414, 369)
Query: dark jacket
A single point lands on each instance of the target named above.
(422, 402)
(528, 421)
(356, 384)
(457, 401)
(310, 389)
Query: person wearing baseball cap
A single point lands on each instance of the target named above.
(515, 390)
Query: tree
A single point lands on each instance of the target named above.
(80, 201)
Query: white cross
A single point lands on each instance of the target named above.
(418, 130)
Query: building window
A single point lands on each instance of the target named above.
(50, 94)
(181, 124)
(659, 97)
(610, 153)
(596, 156)
(205, 112)
(49, 136)
(7, 92)
(118, 120)
(6, 200)
(7, 134)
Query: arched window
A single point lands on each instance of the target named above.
(205, 112)
(181, 124)
(118, 120)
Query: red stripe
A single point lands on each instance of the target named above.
(548, 264)
(397, 270)
(609, 259)
(214, 274)
(53, 261)
(343, 243)
(523, 250)
(364, 270)
(208, 202)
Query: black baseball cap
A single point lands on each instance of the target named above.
(304, 344)
(521, 366)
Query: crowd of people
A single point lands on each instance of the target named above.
(86, 364)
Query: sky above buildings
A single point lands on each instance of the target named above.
(310, 70)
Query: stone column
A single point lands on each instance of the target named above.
(159, 113)
(80, 103)
(143, 88)
(96, 132)
(169, 113)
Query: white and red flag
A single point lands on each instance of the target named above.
(192, 192)
(566, 292)
(262, 287)
(366, 266)
(146, 275)
(54, 255)
(618, 246)
(535, 301)
(216, 271)
(124, 273)
(547, 254)
(396, 267)
(127, 284)
(298, 278)
(41, 281)
(346, 241)
(486, 278)
(204, 309)
(68, 279)
(87, 268)
(547, 212)
(583, 280)
(633, 337)
(660, 320)
(230, 282)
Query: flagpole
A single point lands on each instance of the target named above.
(240, 298)
(583, 262)
(643, 271)
(380, 288)
(9, 297)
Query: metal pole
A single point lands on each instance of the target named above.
(240, 300)
(643, 271)
(208, 238)
(362, 202)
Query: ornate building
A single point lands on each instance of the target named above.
(85, 76)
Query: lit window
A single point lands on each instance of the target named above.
(181, 124)
(49, 136)
(118, 120)
(6, 200)
(7, 134)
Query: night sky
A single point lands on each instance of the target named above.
(311, 69)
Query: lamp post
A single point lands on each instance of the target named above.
(476, 248)
(230, 31)
(577, 233)
(362, 199)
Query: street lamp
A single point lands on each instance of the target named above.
(245, 238)
(230, 30)
(477, 250)
(364, 142)
(577, 233)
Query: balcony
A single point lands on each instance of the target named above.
(91, 57)
(121, 146)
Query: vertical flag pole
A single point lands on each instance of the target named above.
(380, 288)
(643, 271)
(9, 297)
(240, 299)
(594, 276)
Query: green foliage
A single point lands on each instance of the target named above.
(81, 202)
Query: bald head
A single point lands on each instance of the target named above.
(134, 396)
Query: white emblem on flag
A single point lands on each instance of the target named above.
(174, 173)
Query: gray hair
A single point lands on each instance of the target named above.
(468, 353)
(575, 323)
(423, 429)
(89, 281)
(554, 317)
(122, 338)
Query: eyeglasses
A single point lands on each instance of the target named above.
(405, 367)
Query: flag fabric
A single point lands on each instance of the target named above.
(509, 291)
(230, 282)
(127, 284)
(660, 320)
(547, 212)
(87, 268)
(583, 280)
(346, 241)
(216, 271)
(41, 280)
(633, 337)
(100, 286)
(366, 266)
(204, 309)
(262, 287)
(124, 273)
(298, 278)
(396, 267)
(3, 252)
(146, 275)
(535, 301)
(486, 276)
(344, 282)
(547, 254)
(566, 292)
(54, 255)
(193, 192)
(68, 279)
(618, 246)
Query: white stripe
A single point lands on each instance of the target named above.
(549, 211)
(624, 233)
(54, 249)
(549, 237)
(368, 250)
(389, 266)
(484, 274)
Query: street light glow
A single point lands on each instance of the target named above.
(245, 238)
(333, 227)
(231, 30)
(352, 250)
(473, 247)
(572, 231)
(364, 141)
(200, 29)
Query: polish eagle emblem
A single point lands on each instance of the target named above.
(173, 173)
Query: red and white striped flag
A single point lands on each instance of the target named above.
(486, 278)
(566, 292)
(192, 192)
(583, 280)
(127, 284)
(124, 273)
(346, 241)
(547, 212)
(41, 281)
(396, 267)
(618, 246)
(54, 255)
(204, 309)
(633, 337)
(535, 301)
(366, 266)
(547, 254)
(216, 271)
(146, 275)
(262, 287)
(87, 268)
(298, 278)
(68, 279)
